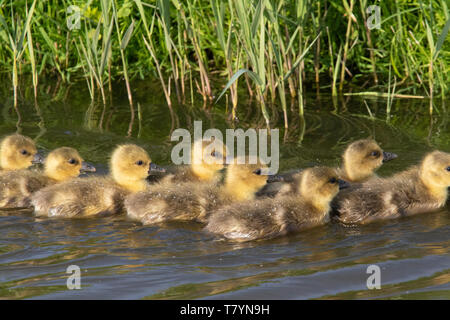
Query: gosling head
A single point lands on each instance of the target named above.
(208, 158)
(362, 158)
(319, 185)
(65, 163)
(435, 172)
(18, 152)
(245, 176)
(130, 166)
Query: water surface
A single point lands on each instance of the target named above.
(121, 259)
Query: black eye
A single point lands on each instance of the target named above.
(72, 161)
(258, 172)
(448, 168)
(375, 154)
(140, 162)
(215, 154)
(333, 180)
(24, 152)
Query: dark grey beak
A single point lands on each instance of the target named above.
(37, 159)
(275, 178)
(87, 167)
(387, 156)
(343, 184)
(155, 168)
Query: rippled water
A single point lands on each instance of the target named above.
(121, 259)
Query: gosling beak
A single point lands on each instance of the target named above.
(37, 159)
(343, 184)
(389, 156)
(275, 178)
(155, 168)
(87, 167)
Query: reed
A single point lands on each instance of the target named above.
(201, 48)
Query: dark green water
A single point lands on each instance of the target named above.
(121, 259)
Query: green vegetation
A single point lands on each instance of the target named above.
(271, 50)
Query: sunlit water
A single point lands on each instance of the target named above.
(121, 259)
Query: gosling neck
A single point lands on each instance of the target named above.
(130, 184)
(55, 175)
(239, 191)
(6, 164)
(203, 173)
(436, 191)
(349, 172)
(319, 202)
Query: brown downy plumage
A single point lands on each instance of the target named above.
(421, 188)
(360, 160)
(206, 162)
(17, 152)
(129, 165)
(17, 186)
(194, 201)
(270, 218)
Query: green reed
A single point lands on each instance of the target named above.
(207, 49)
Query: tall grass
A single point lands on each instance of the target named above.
(202, 48)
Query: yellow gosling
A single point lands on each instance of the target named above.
(308, 207)
(421, 188)
(17, 152)
(129, 167)
(361, 159)
(207, 161)
(17, 186)
(194, 201)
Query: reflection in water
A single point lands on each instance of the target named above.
(123, 259)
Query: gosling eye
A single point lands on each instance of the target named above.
(375, 154)
(24, 152)
(140, 162)
(333, 180)
(448, 168)
(257, 172)
(73, 161)
(215, 154)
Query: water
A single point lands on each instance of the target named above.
(121, 259)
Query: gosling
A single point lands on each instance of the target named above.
(421, 188)
(18, 152)
(17, 186)
(361, 159)
(207, 161)
(194, 201)
(130, 165)
(269, 218)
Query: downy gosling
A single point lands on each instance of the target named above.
(194, 201)
(18, 152)
(129, 167)
(207, 160)
(307, 207)
(17, 186)
(421, 188)
(360, 160)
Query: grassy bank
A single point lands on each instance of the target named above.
(271, 50)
